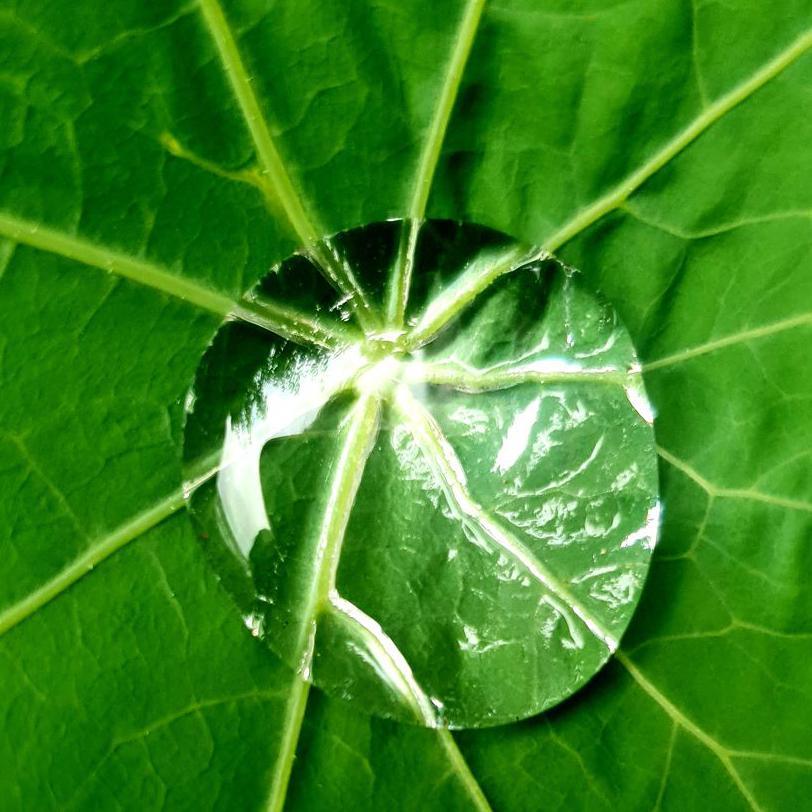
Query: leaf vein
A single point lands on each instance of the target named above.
(707, 118)
(751, 334)
(460, 766)
(295, 708)
(430, 156)
(279, 319)
(100, 550)
(747, 494)
(447, 466)
(672, 711)
(308, 231)
(97, 552)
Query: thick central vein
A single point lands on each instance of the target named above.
(465, 378)
(360, 434)
(390, 663)
(267, 152)
(280, 319)
(429, 157)
(309, 232)
(429, 436)
(358, 442)
(709, 116)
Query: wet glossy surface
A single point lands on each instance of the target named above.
(446, 518)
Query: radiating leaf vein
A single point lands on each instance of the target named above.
(103, 548)
(429, 156)
(707, 118)
(440, 454)
(280, 319)
(742, 337)
(295, 708)
(309, 232)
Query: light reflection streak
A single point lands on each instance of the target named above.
(286, 408)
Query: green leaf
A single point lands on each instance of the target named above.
(661, 147)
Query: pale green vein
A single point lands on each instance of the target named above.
(443, 459)
(470, 379)
(778, 758)
(732, 629)
(718, 491)
(482, 273)
(463, 771)
(96, 553)
(360, 436)
(279, 319)
(295, 708)
(448, 95)
(298, 326)
(756, 628)
(401, 274)
(742, 337)
(361, 431)
(116, 262)
(669, 754)
(709, 116)
(266, 149)
(722, 228)
(721, 752)
(429, 157)
(196, 708)
(104, 547)
(576, 756)
(700, 82)
(391, 663)
(290, 199)
(251, 176)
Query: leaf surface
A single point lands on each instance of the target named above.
(661, 147)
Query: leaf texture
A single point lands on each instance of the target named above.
(661, 147)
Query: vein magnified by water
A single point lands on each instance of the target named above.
(390, 661)
(293, 324)
(453, 300)
(362, 430)
(440, 454)
(468, 379)
(404, 263)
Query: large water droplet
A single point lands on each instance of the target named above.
(444, 515)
